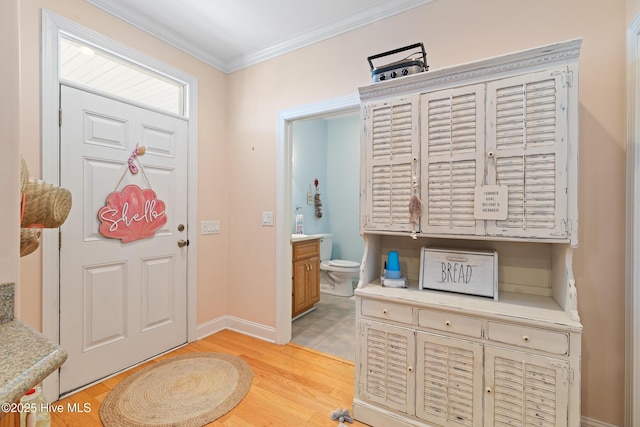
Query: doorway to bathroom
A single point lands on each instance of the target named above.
(325, 186)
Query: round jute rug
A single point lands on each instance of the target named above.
(184, 391)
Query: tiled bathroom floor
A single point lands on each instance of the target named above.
(330, 328)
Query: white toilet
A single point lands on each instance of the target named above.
(336, 276)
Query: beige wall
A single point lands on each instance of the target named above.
(212, 123)
(236, 269)
(9, 140)
(454, 31)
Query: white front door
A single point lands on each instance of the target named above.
(120, 303)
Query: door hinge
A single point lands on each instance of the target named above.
(60, 117)
(567, 79)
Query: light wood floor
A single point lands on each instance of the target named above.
(292, 385)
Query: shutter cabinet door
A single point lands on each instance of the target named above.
(449, 374)
(527, 132)
(388, 360)
(525, 390)
(452, 159)
(391, 155)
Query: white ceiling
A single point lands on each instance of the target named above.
(233, 34)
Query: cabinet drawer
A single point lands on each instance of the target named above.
(522, 336)
(449, 322)
(388, 311)
(306, 249)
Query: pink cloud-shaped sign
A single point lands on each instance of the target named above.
(132, 214)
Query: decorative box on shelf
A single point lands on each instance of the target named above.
(473, 272)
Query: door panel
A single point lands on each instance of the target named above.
(157, 298)
(104, 305)
(120, 303)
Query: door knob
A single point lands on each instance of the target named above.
(183, 243)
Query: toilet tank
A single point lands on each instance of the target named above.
(326, 245)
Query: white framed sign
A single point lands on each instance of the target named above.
(491, 202)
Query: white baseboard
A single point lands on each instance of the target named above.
(256, 330)
(211, 327)
(589, 422)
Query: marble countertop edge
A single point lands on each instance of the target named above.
(27, 359)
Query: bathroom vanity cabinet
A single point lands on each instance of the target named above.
(491, 149)
(306, 275)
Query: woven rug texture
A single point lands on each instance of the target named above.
(190, 390)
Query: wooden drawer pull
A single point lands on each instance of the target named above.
(385, 311)
(488, 390)
(410, 368)
(447, 323)
(525, 338)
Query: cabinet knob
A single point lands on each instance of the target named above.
(410, 369)
(384, 311)
(525, 338)
(488, 390)
(447, 323)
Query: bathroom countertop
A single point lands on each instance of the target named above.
(27, 359)
(295, 238)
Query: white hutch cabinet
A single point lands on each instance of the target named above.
(432, 358)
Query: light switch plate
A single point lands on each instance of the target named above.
(210, 227)
(267, 219)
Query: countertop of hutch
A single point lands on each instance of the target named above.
(533, 309)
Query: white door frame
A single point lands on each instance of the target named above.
(52, 26)
(632, 289)
(284, 149)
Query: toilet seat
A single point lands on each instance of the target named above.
(340, 265)
(343, 263)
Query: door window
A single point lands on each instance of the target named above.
(97, 69)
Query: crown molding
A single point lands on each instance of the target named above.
(141, 21)
(320, 33)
